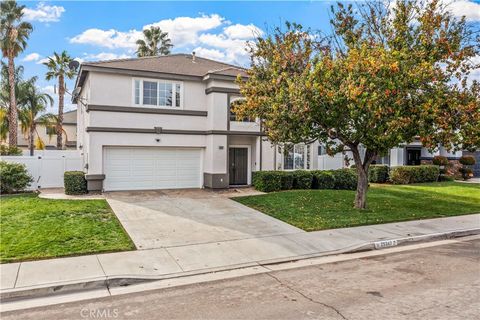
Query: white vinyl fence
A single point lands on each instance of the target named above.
(48, 166)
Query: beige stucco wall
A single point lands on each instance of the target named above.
(117, 90)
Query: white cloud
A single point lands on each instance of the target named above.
(44, 13)
(213, 54)
(469, 9)
(234, 49)
(241, 31)
(184, 30)
(181, 30)
(111, 39)
(42, 61)
(228, 44)
(104, 56)
(31, 57)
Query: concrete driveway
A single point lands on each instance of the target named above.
(169, 218)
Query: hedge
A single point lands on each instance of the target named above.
(74, 182)
(267, 181)
(414, 174)
(440, 161)
(378, 173)
(345, 179)
(467, 160)
(286, 179)
(14, 177)
(323, 180)
(302, 179)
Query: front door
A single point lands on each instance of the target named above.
(413, 157)
(238, 168)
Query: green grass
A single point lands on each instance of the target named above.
(313, 210)
(36, 228)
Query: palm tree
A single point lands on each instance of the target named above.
(14, 34)
(32, 103)
(58, 68)
(5, 96)
(155, 43)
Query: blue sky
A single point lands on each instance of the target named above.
(91, 30)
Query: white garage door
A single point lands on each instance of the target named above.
(152, 168)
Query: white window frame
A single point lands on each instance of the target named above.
(158, 81)
(307, 148)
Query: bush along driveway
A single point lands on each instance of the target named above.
(313, 210)
(36, 228)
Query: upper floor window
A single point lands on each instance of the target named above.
(233, 116)
(160, 93)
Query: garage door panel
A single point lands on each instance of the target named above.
(152, 168)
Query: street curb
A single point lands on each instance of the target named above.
(16, 294)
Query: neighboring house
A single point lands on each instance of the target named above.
(165, 122)
(408, 154)
(48, 135)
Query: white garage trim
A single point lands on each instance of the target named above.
(148, 168)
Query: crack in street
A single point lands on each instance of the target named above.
(307, 297)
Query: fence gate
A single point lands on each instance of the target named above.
(48, 166)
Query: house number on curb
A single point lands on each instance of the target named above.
(385, 244)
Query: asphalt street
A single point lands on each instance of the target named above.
(441, 282)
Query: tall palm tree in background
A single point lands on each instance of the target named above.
(154, 43)
(13, 37)
(58, 68)
(32, 103)
(5, 96)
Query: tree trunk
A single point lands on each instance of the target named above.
(362, 172)
(31, 139)
(59, 129)
(362, 187)
(12, 112)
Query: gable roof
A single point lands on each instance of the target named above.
(180, 64)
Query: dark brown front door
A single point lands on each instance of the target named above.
(238, 171)
(413, 157)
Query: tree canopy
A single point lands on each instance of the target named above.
(387, 74)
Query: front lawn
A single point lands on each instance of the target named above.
(36, 228)
(313, 210)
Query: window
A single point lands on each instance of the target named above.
(157, 93)
(322, 150)
(50, 131)
(150, 93)
(296, 157)
(137, 91)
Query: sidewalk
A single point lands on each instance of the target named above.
(123, 268)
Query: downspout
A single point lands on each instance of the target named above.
(261, 140)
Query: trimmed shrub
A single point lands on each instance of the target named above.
(440, 161)
(6, 150)
(286, 179)
(467, 160)
(345, 179)
(302, 179)
(267, 181)
(414, 174)
(467, 173)
(14, 177)
(378, 173)
(75, 182)
(323, 180)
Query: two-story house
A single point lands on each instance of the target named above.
(165, 122)
(48, 134)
